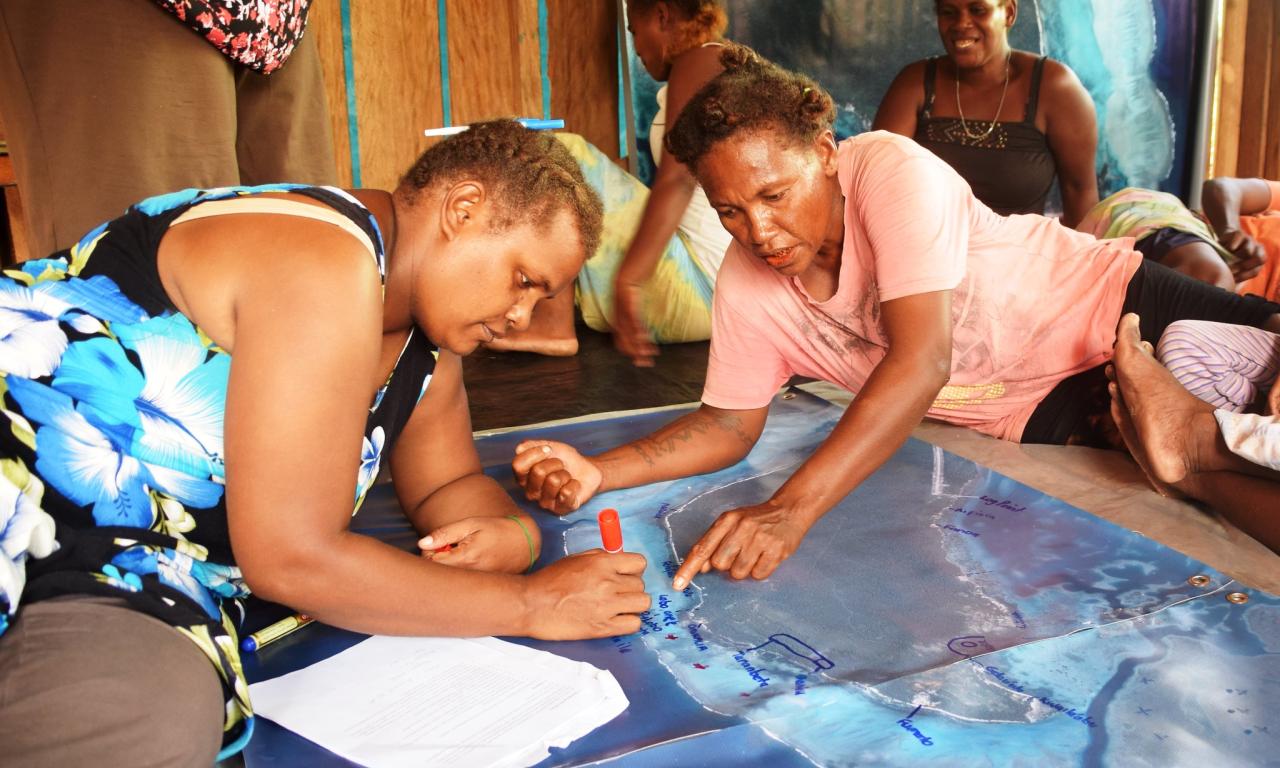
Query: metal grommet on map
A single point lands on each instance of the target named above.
(1199, 580)
(789, 396)
(1239, 598)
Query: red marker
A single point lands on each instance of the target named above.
(610, 530)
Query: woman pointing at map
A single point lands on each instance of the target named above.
(868, 263)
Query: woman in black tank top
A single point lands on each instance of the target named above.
(1008, 121)
(1008, 164)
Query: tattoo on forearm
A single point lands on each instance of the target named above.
(638, 447)
(666, 441)
(731, 423)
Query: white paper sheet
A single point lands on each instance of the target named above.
(404, 701)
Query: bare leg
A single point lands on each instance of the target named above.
(550, 330)
(1174, 432)
(1251, 503)
(1200, 261)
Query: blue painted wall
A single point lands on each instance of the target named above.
(1137, 58)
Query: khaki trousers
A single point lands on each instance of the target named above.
(87, 681)
(107, 102)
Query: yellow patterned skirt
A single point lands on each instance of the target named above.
(677, 298)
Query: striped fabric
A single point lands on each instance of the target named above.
(1228, 366)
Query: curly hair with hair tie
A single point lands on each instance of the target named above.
(701, 21)
(752, 93)
(530, 174)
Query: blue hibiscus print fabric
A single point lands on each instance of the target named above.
(111, 450)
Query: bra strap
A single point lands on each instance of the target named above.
(280, 207)
(930, 74)
(1034, 98)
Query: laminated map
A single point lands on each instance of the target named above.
(941, 614)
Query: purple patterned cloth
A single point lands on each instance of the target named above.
(1228, 366)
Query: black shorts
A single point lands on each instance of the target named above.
(1156, 245)
(1076, 411)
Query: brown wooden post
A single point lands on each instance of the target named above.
(1256, 103)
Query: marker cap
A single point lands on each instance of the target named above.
(610, 530)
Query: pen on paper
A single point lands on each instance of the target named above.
(273, 632)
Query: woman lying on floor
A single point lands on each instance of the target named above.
(149, 482)
(651, 279)
(1234, 245)
(869, 264)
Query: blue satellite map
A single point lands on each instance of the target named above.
(942, 614)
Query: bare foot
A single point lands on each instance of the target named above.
(1162, 414)
(550, 332)
(1120, 415)
(537, 345)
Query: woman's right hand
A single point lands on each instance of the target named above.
(592, 594)
(1249, 253)
(631, 336)
(555, 475)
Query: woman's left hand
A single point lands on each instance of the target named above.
(749, 541)
(496, 544)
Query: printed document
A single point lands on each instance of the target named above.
(412, 701)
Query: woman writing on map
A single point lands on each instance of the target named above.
(199, 395)
(870, 264)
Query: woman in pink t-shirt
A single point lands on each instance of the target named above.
(870, 264)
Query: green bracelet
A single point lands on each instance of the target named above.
(533, 556)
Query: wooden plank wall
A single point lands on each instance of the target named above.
(494, 71)
(584, 69)
(493, 59)
(396, 65)
(1247, 115)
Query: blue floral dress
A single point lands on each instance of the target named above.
(111, 449)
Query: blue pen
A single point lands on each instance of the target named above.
(532, 123)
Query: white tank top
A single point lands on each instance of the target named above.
(700, 223)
